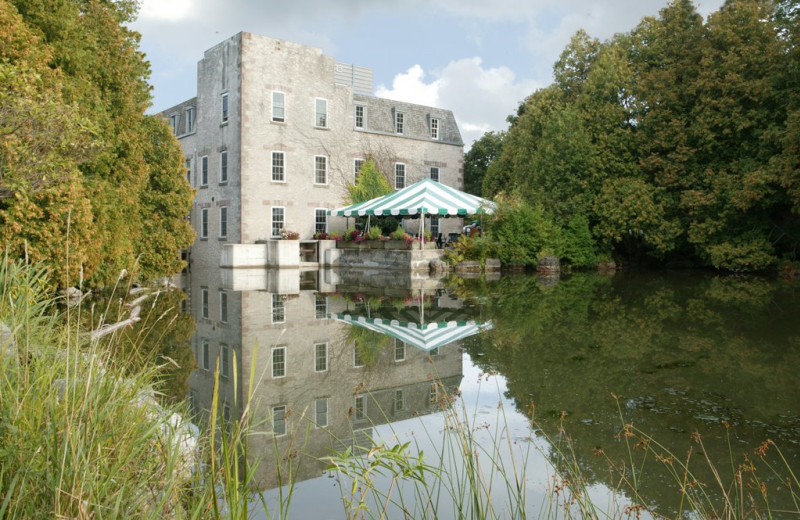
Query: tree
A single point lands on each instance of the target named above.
(478, 159)
(370, 184)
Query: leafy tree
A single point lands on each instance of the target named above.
(522, 232)
(370, 183)
(477, 160)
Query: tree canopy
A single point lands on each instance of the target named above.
(677, 141)
(88, 182)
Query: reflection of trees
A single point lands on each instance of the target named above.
(683, 353)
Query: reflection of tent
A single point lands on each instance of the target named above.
(425, 336)
(426, 197)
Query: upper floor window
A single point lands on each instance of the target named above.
(204, 170)
(278, 107)
(279, 362)
(206, 356)
(321, 412)
(278, 309)
(399, 176)
(223, 167)
(204, 303)
(224, 361)
(399, 122)
(204, 223)
(435, 173)
(434, 128)
(320, 307)
(321, 113)
(361, 111)
(225, 107)
(223, 307)
(320, 169)
(399, 350)
(321, 357)
(189, 171)
(357, 164)
(223, 222)
(189, 120)
(278, 167)
(173, 122)
(279, 420)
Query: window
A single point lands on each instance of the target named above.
(399, 350)
(433, 394)
(223, 167)
(357, 164)
(434, 227)
(173, 122)
(206, 359)
(360, 407)
(320, 169)
(223, 307)
(279, 420)
(435, 173)
(278, 167)
(189, 171)
(278, 107)
(321, 110)
(204, 223)
(279, 362)
(226, 413)
(224, 361)
(189, 120)
(225, 107)
(399, 176)
(223, 221)
(321, 411)
(358, 362)
(204, 303)
(399, 401)
(360, 113)
(278, 309)
(320, 220)
(320, 357)
(399, 122)
(204, 170)
(434, 128)
(320, 307)
(277, 221)
(433, 352)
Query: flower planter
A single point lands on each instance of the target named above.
(374, 244)
(395, 244)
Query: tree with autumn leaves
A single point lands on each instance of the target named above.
(89, 184)
(677, 141)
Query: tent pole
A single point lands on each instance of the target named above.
(422, 227)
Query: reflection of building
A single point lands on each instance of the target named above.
(276, 131)
(314, 381)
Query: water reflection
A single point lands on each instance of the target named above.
(321, 382)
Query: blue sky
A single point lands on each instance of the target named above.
(477, 58)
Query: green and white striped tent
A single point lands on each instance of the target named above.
(424, 336)
(426, 197)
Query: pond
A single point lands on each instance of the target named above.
(581, 377)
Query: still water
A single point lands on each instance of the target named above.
(707, 365)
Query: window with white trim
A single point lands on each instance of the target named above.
(224, 360)
(399, 176)
(357, 164)
(321, 412)
(278, 107)
(320, 307)
(278, 167)
(278, 362)
(399, 122)
(435, 173)
(223, 167)
(434, 227)
(278, 221)
(321, 113)
(223, 222)
(320, 220)
(358, 361)
(360, 407)
(399, 350)
(320, 357)
(204, 223)
(206, 357)
(173, 122)
(320, 169)
(204, 170)
(225, 107)
(434, 128)
(399, 400)
(223, 307)
(204, 303)
(189, 120)
(279, 420)
(361, 112)
(433, 393)
(278, 309)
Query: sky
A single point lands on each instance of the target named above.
(478, 58)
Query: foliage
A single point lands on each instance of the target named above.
(522, 232)
(370, 183)
(579, 244)
(478, 159)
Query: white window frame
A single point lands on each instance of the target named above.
(397, 168)
(273, 165)
(360, 407)
(357, 165)
(223, 222)
(279, 411)
(223, 167)
(273, 221)
(204, 303)
(435, 226)
(399, 350)
(174, 121)
(318, 358)
(399, 400)
(324, 422)
(399, 123)
(435, 128)
(323, 224)
(434, 173)
(189, 170)
(223, 306)
(205, 355)
(204, 170)
(190, 111)
(282, 106)
(358, 362)
(317, 169)
(323, 121)
(279, 371)
(225, 109)
(203, 223)
(278, 309)
(320, 307)
(362, 118)
(225, 360)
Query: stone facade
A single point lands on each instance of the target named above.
(276, 132)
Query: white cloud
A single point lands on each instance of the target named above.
(410, 87)
(166, 10)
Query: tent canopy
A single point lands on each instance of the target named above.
(426, 197)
